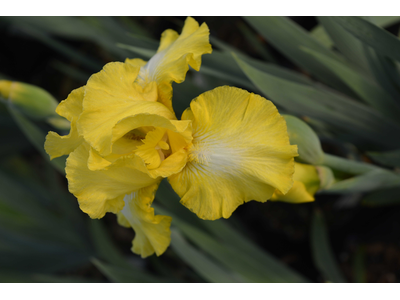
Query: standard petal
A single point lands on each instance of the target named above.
(111, 96)
(240, 152)
(153, 233)
(174, 55)
(100, 191)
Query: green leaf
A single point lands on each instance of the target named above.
(363, 86)
(63, 48)
(300, 134)
(372, 35)
(203, 265)
(19, 198)
(385, 197)
(322, 36)
(25, 253)
(326, 105)
(63, 279)
(255, 42)
(288, 38)
(232, 258)
(124, 274)
(373, 64)
(374, 180)
(36, 137)
(75, 28)
(389, 158)
(233, 238)
(347, 44)
(347, 165)
(104, 245)
(384, 71)
(322, 253)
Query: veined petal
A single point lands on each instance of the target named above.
(153, 233)
(306, 184)
(100, 191)
(111, 96)
(240, 152)
(174, 55)
(70, 108)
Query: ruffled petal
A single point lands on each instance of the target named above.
(100, 191)
(70, 108)
(111, 96)
(306, 184)
(56, 145)
(240, 152)
(174, 55)
(153, 233)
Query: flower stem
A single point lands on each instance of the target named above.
(346, 165)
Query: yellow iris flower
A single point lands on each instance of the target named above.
(230, 147)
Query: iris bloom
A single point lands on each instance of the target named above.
(230, 147)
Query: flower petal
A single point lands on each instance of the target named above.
(111, 96)
(70, 108)
(173, 57)
(56, 145)
(179, 136)
(100, 191)
(306, 184)
(153, 233)
(240, 152)
(148, 151)
(297, 194)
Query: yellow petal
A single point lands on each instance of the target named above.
(297, 194)
(56, 145)
(306, 184)
(179, 135)
(100, 191)
(137, 62)
(149, 150)
(240, 152)
(153, 233)
(70, 108)
(111, 96)
(174, 55)
(308, 175)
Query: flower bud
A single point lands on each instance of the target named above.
(300, 134)
(31, 100)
